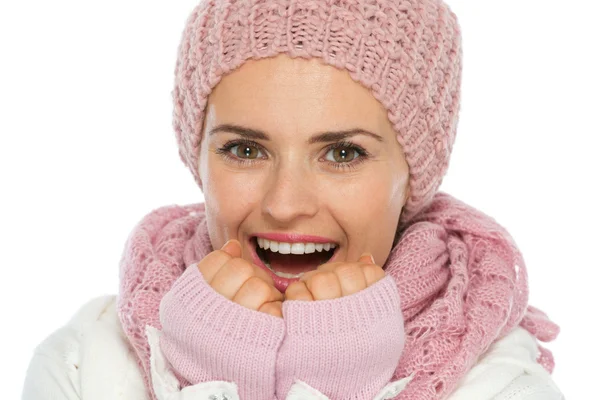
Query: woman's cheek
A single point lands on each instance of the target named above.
(364, 195)
(371, 213)
(235, 193)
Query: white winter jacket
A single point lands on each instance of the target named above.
(91, 359)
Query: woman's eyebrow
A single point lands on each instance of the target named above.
(340, 135)
(248, 133)
(330, 136)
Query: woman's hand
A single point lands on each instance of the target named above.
(241, 281)
(347, 344)
(210, 327)
(337, 279)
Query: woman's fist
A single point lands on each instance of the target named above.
(337, 279)
(240, 281)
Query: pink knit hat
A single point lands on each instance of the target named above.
(408, 53)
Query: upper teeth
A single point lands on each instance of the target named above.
(293, 248)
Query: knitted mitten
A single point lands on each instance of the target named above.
(206, 337)
(346, 348)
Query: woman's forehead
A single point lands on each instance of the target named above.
(286, 92)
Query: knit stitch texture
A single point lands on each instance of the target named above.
(206, 337)
(408, 53)
(347, 348)
(461, 280)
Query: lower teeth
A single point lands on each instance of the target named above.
(284, 274)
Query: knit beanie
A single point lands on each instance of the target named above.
(408, 53)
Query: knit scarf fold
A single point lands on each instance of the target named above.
(461, 278)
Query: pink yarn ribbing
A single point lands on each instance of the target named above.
(206, 337)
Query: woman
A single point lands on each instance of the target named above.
(324, 263)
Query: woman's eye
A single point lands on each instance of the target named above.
(341, 154)
(246, 151)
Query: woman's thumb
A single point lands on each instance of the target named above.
(233, 248)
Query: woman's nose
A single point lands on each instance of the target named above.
(290, 194)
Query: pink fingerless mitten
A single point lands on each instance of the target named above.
(347, 348)
(206, 337)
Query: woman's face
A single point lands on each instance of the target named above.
(275, 163)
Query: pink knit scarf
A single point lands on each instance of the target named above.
(462, 282)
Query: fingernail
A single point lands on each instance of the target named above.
(226, 243)
(370, 256)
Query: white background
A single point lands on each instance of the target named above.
(87, 149)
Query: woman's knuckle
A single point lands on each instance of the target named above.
(273, 308)
(242, 267)
(374, 272)
(348, 271)
(258, 287)
(219, 256)
(292, 287)
(295, 290)
(216, 257)
(322, 280)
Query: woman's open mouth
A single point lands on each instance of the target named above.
(287, 262)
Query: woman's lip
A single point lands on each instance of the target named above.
(281, 284)
(293, 238)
